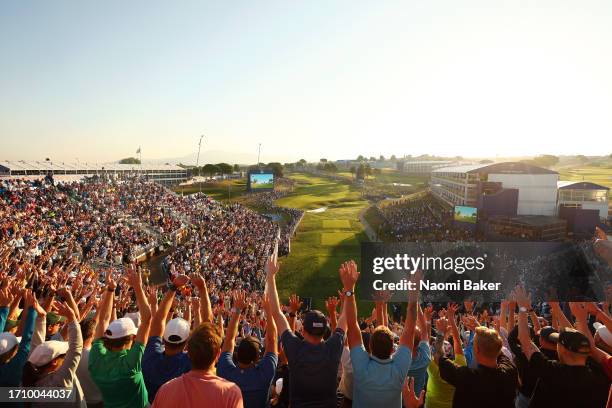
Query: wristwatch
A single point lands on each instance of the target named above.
(348, 293)
(292, 314)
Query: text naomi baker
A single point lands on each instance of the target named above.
(405, 284)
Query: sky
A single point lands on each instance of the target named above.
(95, 80)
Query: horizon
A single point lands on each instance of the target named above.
(95, 83)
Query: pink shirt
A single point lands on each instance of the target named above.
(194, 389)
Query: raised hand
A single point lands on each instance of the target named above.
(6, 297)
(408, 395)
(579, 310)
(181, 280)
(521, 297)
(469, 306)
(133, 277)
(442, 326)
(452, 310)
(349, 274)
(198, 281)
(294, 303)
(272, 266)
(331, 304)
(64, 310)
(239, 300)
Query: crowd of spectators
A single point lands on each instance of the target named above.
(216, 333)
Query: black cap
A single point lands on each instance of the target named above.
(572, 340)
(545, 333)
(315, 323)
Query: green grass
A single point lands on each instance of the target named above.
(336, 224)
(323, 240)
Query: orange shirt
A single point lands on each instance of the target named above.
(195, 389)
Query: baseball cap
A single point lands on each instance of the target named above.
(572, 340)
(315, 323)
(7, 342)
(53, 318)
(248, 350)
(120, 328)
(177, 331)
(546, 331)
(45, 352)
(603, 332)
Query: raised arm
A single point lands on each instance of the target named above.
(135, 281)
(270, 342)
(407, 337)
(239, 303)
(349, 276)
(106, 306)
(452, 312)
(422, 324)
(330, 304)
(295, 304)
(271, 270)
(206, 314)
(524, 303)
(158, 323)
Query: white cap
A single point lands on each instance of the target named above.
(177, 331)
(7, 342)
(135, 316)
(47, 351)
(604, 333)
(120, 328)
(279, 385)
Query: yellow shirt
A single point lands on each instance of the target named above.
(439, 392)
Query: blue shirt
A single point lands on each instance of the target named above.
(418, 367)
(10, 373)
(254, 382)
(159, 368)
(376, 382)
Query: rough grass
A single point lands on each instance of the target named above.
(336, 224)
(222, 190)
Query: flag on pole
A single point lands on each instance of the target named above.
(138, 151)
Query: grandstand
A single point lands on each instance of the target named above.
(464, 185)
(167, 174)
(421, 167)
(584, 195)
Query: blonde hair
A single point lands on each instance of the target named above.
(488, 341)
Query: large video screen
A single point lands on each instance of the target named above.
(262, 181)
(466, 214)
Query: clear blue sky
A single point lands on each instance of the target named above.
(95, 80)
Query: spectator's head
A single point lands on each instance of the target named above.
(573, 347)
(120, 334)
(8, 347)
(46, 358)
(88, 327)
(603, 337)
(545, 340)
(487, 346)
(54, 322)
(175, 336)
(314, 326)
(381, 342)
(204, 347)
(247, 351)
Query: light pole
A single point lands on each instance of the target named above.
(258, 156)
(198, 160)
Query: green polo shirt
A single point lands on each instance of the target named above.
(118, 375)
